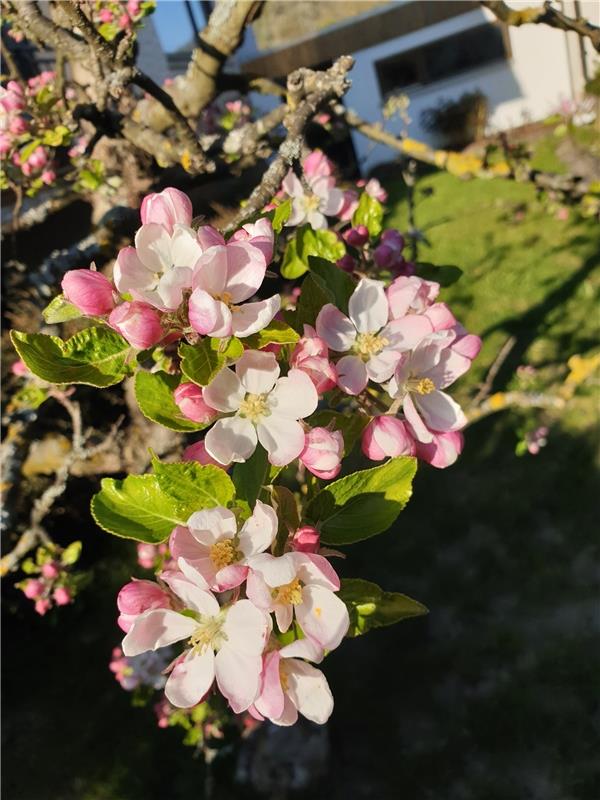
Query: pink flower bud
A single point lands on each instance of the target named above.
(386, 436)
(17, 125)
(306, 540)
(376, 190)
(41, 606)
(124, 21)
(105, 15)
(5, 143)
(133, 6)
(167, 208)
(48, 176)
(443, 450)
(50, 571)
(357, 237)
(138, 322)
(322, 454)
(61, 596)
(38, 158)
(139, 596)
(188, 397)
(19, 368)
(317, 165)
(146, 555)
(197, 452)
(311, 356)
(347, 263)
(33, 588)
(91, 292)
(11, 98)
(260, 234)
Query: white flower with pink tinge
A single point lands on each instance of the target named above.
(159, 267)
(225, 276)
(290, 686)
(319, 200)
(264, 407)
(223, 643)
(211, 543)
(374, 344)
(304, 585)
(418, 382)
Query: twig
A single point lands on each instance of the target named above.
(504, 400)
(544, 15)
(486, 386)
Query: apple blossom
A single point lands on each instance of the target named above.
(42, 606)
(419, 379)
(224, 277)
(50, 570)
(323, 451)
(159, 268)
(264, 407)
(375, 189)
(321, 199)
(317, 165)
(386, 436)
(290, 686)
(188, 397)
(138, 322)
(210, 541)
(304, 585)
(90, 291)
(311, 355)
(225, 643)
(167, 208)
(259, 234)
(374, 346)
(139, 596)
(411, 295)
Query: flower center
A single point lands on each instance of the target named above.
(420, 385)
(288, 594)
(312, 202)
(223, 553)
(208, 634)
(369, 344)
(254, 406)
(224, 297)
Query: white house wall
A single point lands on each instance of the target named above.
(528, 86)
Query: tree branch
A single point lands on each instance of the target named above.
(544, 15)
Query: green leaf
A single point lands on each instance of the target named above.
(136, 508)
(60, 310)
(363, 504)
(147, 507)
(286, 507)
(275, 333)
(308, 242)
(29, 396)
(445, 275)
(370, 214)
(370, 607)
(58, 136)
(28, 149)
(201, 362)
(70, 554)
(93, 356)
(334, 279)
(281, 215)
(351, 425)
(154, 394)
(313, 297)
(193, 486)
(251, 475)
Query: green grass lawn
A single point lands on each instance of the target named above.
(494, 695)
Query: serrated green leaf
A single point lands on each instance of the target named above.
(251, 475)
(60, 310)
(313, 297)
(275, 333)
(201, 362)
(308, 242)
(351, 425)
(154, 394)
(444, 275)
(193, 486)
(334, 279)
(370, 607)
(281, 215)
(363, 504)
(370, 214)
(93, 356)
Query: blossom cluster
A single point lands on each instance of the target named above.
(50, 580)
(112, 17)
(231, 602)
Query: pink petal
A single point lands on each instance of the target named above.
(352, 374)
(270, 701)
(130, 273)
(209, 237)
(421, 431)
(207, 314)
(335, 328)
(316, 570)
(191, 679)
(381, 367)
(246, 267)
(155, 629)
(230, 577)
(440, 412)
(440, 317)
(210, 271)
(406, 333)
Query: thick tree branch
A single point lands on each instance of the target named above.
(544, 15)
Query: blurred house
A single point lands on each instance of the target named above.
(434, 52)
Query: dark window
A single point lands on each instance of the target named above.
(442, 59)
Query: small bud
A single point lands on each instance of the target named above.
(61, 596)
(90, 291)
(357, 237)
(306, 540)
(189, 399)
(166, 208)
(41, 606)
(33, 588)
(322, 454)
(50, 571)
(386, 436)
(138, 322)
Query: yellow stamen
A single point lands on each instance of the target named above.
(254, 406)
(283, 675)
(208, 634)
(421, 385)
(312, 202)
(289, 594)
(223, 553)
(224, 297)
(369, 344)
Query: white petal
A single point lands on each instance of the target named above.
(253, 317)
(282, 438)
(185, 249)
(440, 412)
(309, 691)
(207, 315)
(352, 374)
(231, 439)
(381, 367)
(294, 396)
(259, 530)
(275, 571)
(368, 307)
(322, 616)
(155, 629)
(411, 413)
(335, 328)
(257, 371)
(284, 616)
(246, 628)
(238, 677)
(153, 245)
(246, 267)
(171, 285)
(303, 648)
(191, 679)
(131, 273)
(212, 524)
(210, 271)
(225, 392)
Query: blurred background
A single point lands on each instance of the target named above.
(494, 695)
